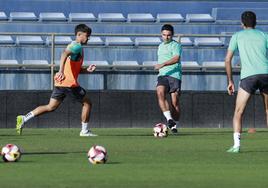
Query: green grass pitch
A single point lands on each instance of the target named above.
(196, 158)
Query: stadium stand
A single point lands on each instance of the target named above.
(147, 41)
(140, 17)
(60, 40)
(29, 40)
(208, 41)
(3, 16)
(95, 41)
(199, 18)
(118, 41)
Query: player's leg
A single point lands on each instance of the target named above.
(22, 119)
(265, 101)
(57, 96)
(85, 115)
(175, 109)
(241, 102)
(79, 94)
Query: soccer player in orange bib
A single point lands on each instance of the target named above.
(66, 82)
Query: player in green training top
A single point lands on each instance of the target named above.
(252, 45)
(169, 77)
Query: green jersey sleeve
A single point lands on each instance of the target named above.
(233, 43)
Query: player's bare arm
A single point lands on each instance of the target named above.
(228, 67)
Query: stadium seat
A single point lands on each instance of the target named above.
(126, 65)
(186, 41)
(35, 62)
(3, 16)
(140, 17)
(213, 64)
(147, 41)
(208, 41)
(149, 65)
(52, 16)
(6, 39)
(95, 41)
(118, 41)
(169, 18)
(22, 16)
(8, 61)
(73, 17)
(199, 18)
(22, 40)
(190, 65)
(111, 17)
(60, 40)
(99, 64)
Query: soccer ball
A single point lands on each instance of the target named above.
(97, 155)
(160, 130)
(11, 153)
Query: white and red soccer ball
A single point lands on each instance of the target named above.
(97, 155)
(11, 153)
(160, 130)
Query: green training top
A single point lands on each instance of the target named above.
(166, 51)
(76, 50)
(252, 45)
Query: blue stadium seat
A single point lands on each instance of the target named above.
(147, 41)
(118, 41)
(6, 39)
(3, 16)
(35, 62)
(31, 40)
(99, 64)
(60, 40)
(76, 17)
(111, 17)
(140, 17)
(52, 16)
(186, 41)
(95, 41)
(199, 18)
(149, 65)
(22, 16)
(208, 41)
(169, 18)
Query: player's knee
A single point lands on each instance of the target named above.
(51, 108)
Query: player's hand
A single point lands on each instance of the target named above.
(59, 76)
(231, 88)
(158, 66)
(91, 68)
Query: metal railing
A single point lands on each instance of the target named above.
(52, 67)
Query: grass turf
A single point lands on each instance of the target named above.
(195, 158)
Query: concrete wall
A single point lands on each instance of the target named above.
(129, 109)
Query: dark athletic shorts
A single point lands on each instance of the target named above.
(171, 84)
(77, 93)
(253, 83)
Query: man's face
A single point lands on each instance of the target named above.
(166, 35)
(82, 37)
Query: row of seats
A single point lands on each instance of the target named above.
(105, 17)
(126, 64)
(109, 41)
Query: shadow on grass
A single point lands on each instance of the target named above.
(52, 153)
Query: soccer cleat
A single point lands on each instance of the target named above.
(19, 125)
(172, 126)
(234, 150)
(87, 133)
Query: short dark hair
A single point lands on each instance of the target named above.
(82, 28)
(168, 27)
(248, 18)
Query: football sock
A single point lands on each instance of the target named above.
(236, 139)
(167, 114)
(28, 116)
(84, 126)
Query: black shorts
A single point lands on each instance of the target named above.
(252, 83)
(77, 93)
(171, 84)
